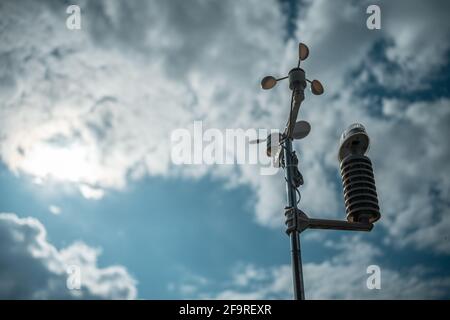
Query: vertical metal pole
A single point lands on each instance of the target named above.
(296, 258)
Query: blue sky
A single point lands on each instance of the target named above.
(170, 243)
(85, 124)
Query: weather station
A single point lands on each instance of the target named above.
(360, 195)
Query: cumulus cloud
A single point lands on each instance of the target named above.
(416, 206)
(96, 107)
(342, 277)
(405, 129)
(33, 268)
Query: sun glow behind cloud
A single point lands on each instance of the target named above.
(63, 164)
(60, 163)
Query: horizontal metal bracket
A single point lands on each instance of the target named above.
(297, 220)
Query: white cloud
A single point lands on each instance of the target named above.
(32, 268)
(345, 276)
(407, 149)
(91, 193)
(96, 107)
(54, 209)
(416, 209)
(342, 277)
(97, 115)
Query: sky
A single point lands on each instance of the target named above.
(86, 173)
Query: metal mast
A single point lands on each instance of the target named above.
(361, 200)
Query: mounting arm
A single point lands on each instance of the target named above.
(297, 220)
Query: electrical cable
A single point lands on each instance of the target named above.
(290, 112)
